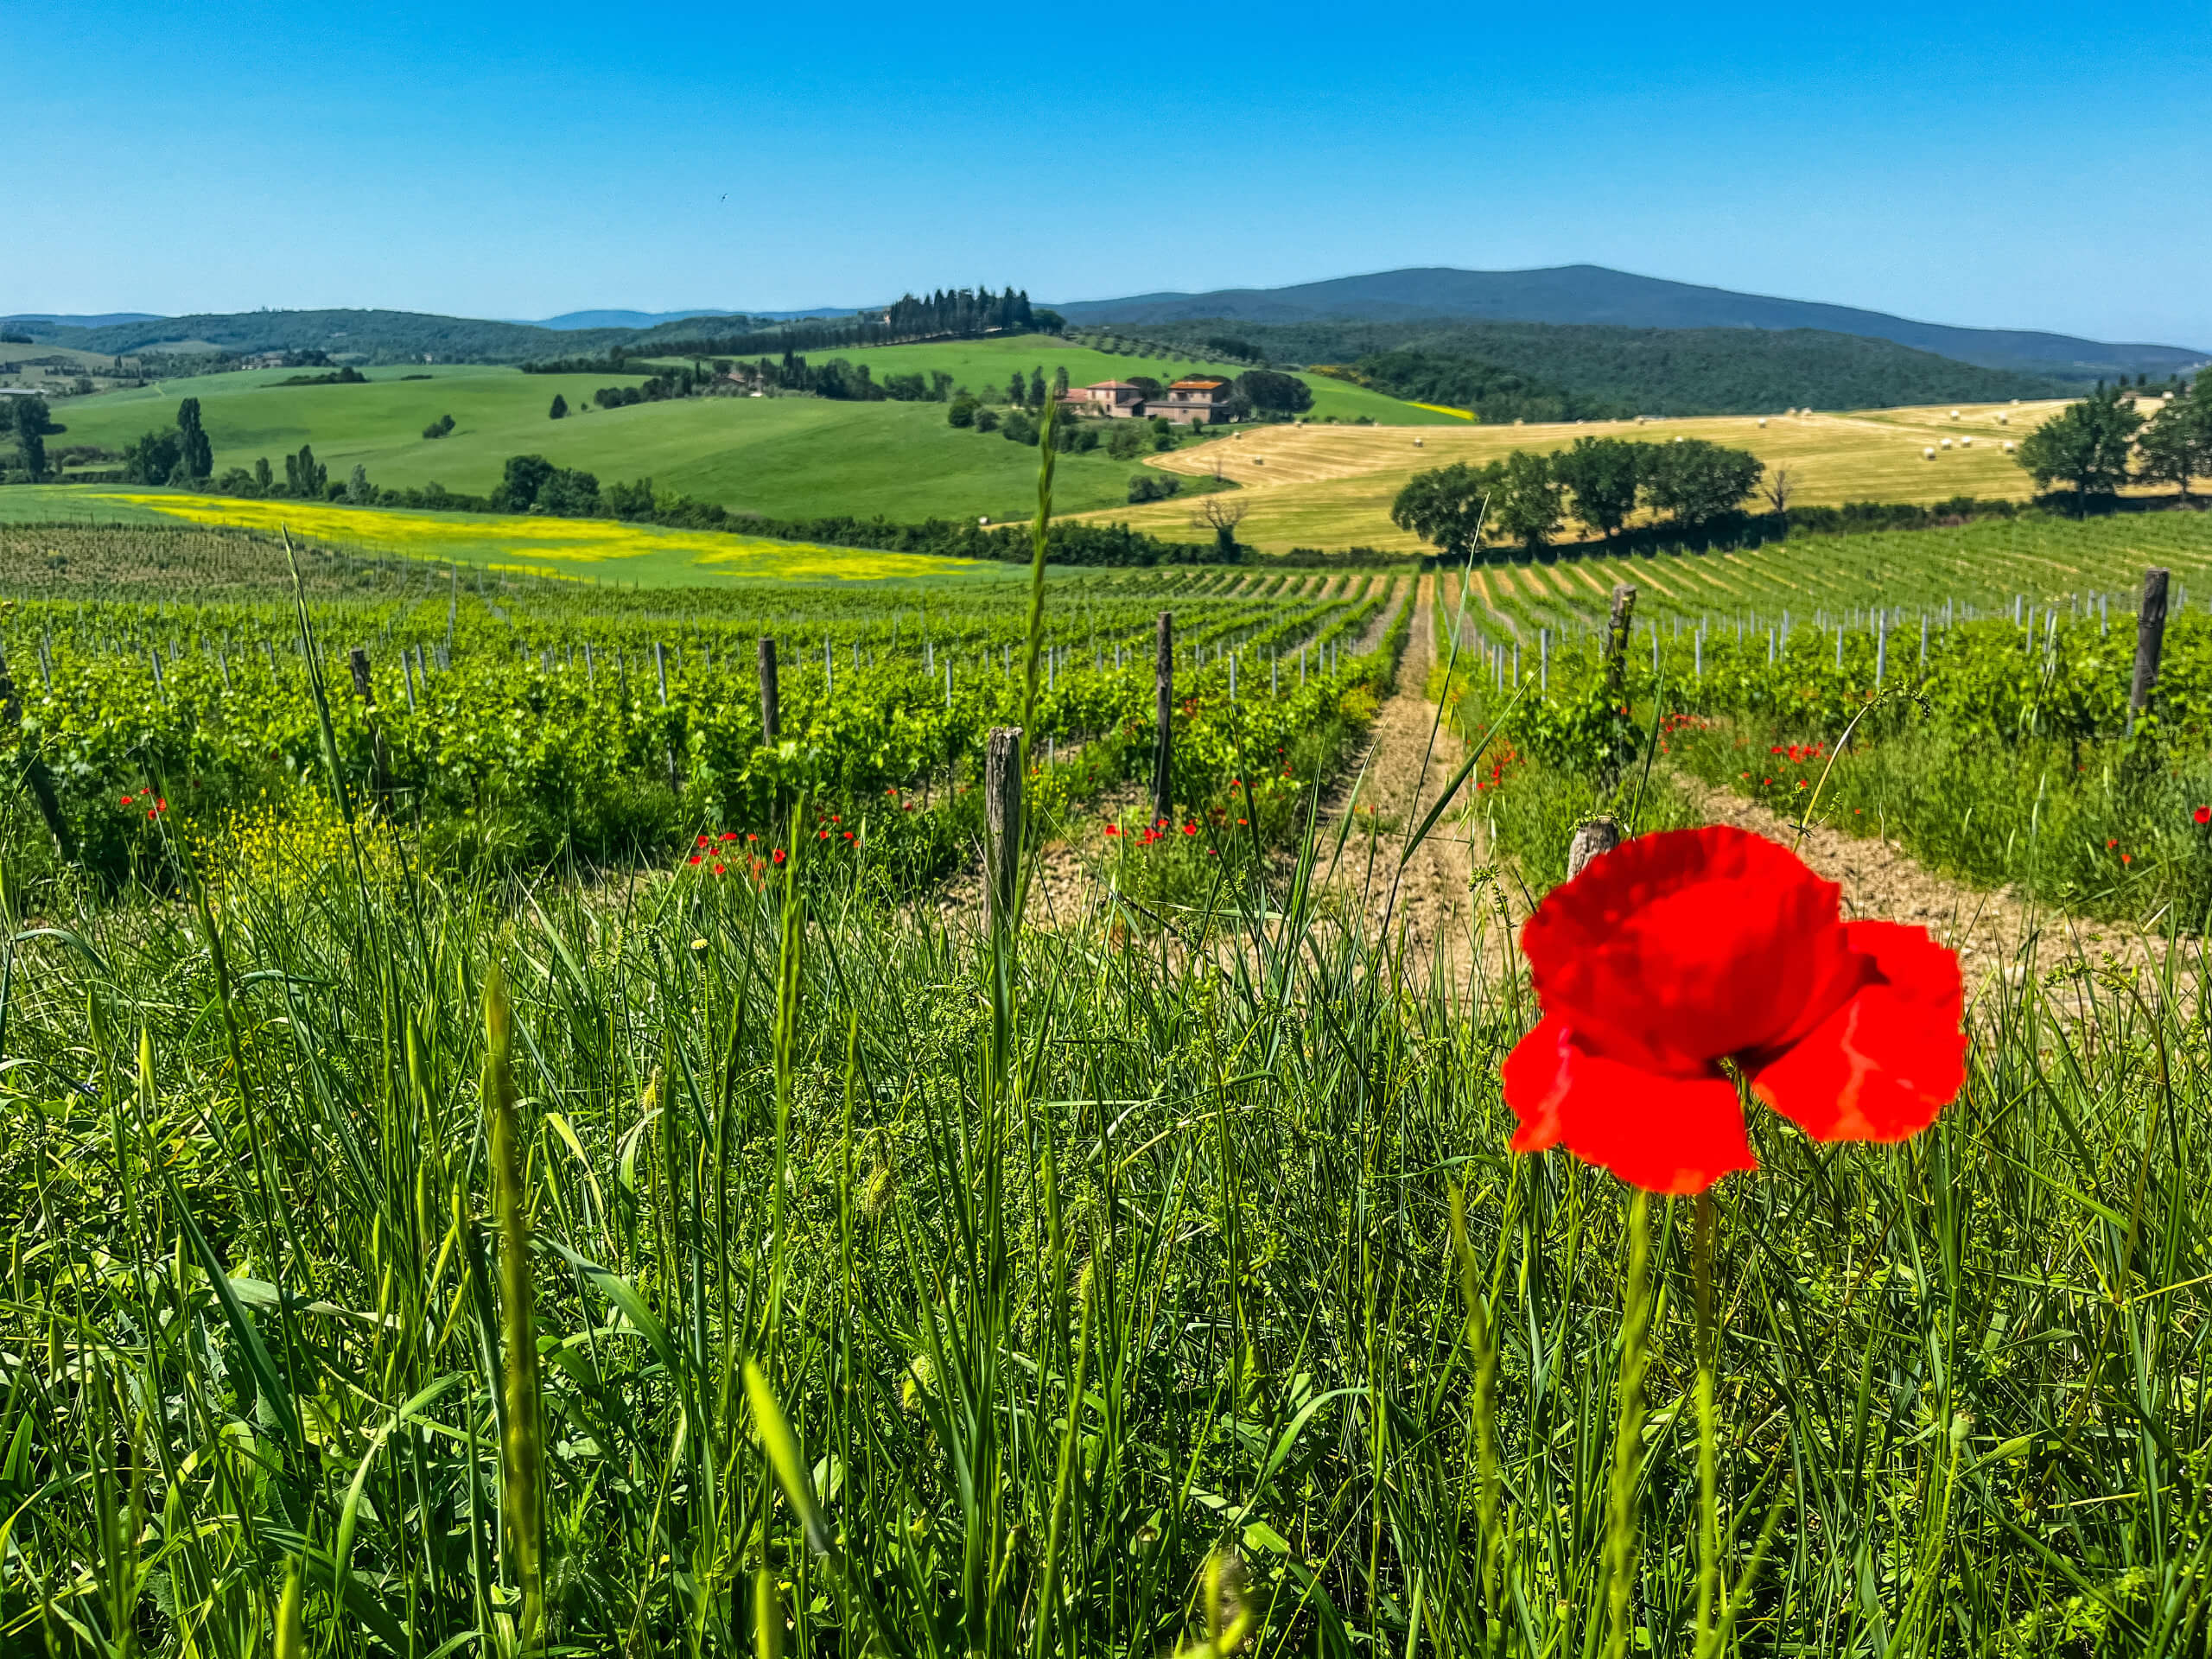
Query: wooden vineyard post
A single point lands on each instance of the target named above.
(1616, 628)
(1163, 730)
(379, 762)
(668, 750)
(771, 721)
(2149, 640)
(1002, 822)
(1598, 836)
(37, 778)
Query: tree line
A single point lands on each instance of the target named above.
(2102, 442)
(1642, 371)
(1497, 396)
(1525, 498)
(947, 314)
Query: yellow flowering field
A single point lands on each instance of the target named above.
(589, 549)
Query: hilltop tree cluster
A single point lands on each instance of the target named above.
(1526, 498)
(948, 313)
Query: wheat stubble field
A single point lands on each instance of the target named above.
(1332, 486)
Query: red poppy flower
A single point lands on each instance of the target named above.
(779, 854)
(2203, 814)
(1677, 951)
(2127, 858)
(127, 799)
(1190, 829)
(730, 834)
(700, 843)
(2109, 845)
(694, 858)
(1113, 828)
(718, 869)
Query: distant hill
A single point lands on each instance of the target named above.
(571, 320)
(1592, 294)
(1631, 371)
(387, 336)
(101, 320)
(568, 319)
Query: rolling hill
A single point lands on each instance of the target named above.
(1592, 294)
(784, 457)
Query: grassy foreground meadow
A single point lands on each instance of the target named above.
(568, 1255)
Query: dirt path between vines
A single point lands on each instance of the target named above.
(1427, 910)
(1994, 932)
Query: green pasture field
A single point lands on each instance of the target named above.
(786, 457)
(977, 363)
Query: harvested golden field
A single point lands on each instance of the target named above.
(1332, 486)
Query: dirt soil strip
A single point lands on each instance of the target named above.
(1426, 909)
(1994, 933)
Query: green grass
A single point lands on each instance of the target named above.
(1066, 1268)
(786, 457)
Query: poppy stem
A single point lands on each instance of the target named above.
(1708, 1430)
(1628, 1431)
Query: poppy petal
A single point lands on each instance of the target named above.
(1885, 1063)
(1675, 948)
(1662, 1134)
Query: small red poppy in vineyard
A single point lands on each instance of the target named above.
(2203, 814)
(1679, 958)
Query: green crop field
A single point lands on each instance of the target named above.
(1987, 565)
(783, 456)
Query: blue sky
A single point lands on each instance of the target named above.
(2016, 165)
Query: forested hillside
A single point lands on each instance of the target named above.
(1640, 371)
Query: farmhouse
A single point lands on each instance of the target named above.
(1195, 401)
(1117, 398)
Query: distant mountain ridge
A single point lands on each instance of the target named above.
(568, 319)
(105, 319)
(1594, 294)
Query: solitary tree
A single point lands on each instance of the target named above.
(559, 409)
(28, 418)
(2176, 446)
(1444, 507)
(1526, 504)
(1275, 393)
(1221, 515)
(1600, 475)
(1698, 483)
(195, 455)
(2086, 445)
